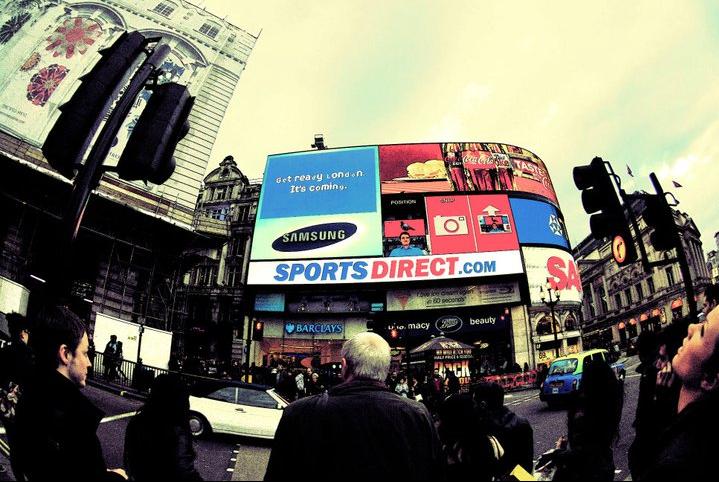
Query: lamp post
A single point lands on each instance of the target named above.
(553, 300)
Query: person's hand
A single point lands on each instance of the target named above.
(561, 443)
(120, 472)
(665, 376)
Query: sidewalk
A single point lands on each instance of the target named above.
(251, 463)
(99, 382)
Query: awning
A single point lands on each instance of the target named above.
(633, 321)
(656, 312)
(643, 317)
(677, 303)
(622, 326)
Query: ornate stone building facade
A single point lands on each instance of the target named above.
(619, 303)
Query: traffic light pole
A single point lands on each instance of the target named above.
(91, 172)
(681, 257)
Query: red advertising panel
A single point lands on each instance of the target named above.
(415, 227)
(493, 222)
(530, 175)
(450, 227)
(412, 168)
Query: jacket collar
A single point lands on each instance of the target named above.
(68, 397)
(358, 385)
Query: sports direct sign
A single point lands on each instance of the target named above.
(373, 270)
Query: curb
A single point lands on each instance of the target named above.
(117, 389)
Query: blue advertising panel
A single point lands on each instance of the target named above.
(317, 183)
(319, 204)
(538, 223)
(270, 302)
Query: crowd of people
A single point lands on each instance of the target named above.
(371, 424)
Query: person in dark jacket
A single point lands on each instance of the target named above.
(592, 427)
(16, 367)
(687, 447)
(452, 382)
(359, 429)
(158, 442)
(513, 432)
(56, 424)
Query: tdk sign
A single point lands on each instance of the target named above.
(314, 237)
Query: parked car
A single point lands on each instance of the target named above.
(565, 375)
(226, 406)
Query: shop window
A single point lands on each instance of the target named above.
(209, 30)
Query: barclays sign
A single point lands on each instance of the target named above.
(292, 328)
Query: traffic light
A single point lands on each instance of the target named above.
(658, 216)
(601, 201)
(162, 124)
(258, 330)
(80, 117)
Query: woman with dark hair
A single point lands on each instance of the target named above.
(158, 442)
(592, 427)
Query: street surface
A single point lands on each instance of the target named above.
(222, 457)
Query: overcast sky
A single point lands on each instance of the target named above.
(627, 81)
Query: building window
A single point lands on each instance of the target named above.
(603, 299)
(164, 9)
(618, 300)
(628, 294)
(650, 285)
(209, 30)
(234, 276)
(670, 276)
(640, 291)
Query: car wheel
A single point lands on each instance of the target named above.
(199, 427)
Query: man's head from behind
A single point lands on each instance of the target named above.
(365, 355)
(60, 343)
(18, 326)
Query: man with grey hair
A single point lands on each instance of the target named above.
(359, 430)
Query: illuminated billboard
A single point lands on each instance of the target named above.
(553, 267)
(444, 211)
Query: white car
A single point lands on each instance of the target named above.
(235, 408)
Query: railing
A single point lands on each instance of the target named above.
(139, 377)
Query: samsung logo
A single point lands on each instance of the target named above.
(449, 324)
(313, 237)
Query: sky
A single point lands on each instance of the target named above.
(627, 81)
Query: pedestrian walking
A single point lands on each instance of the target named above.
(513, 432)
(402, 388)
(56, 424)
(158, 442)
(592, 427)
(16, 367)
(109, 357)
(685, 450)
(359, 429)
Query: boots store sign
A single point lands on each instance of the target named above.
(448, 324)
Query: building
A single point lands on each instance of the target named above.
(713, 261)
(133, 234)
(619, 303)
(412, 241)
(211, 294)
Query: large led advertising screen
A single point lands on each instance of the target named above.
(402, 213)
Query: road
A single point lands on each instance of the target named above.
(236, 458)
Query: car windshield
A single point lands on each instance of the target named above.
(563, 367)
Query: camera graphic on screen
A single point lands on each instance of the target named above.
(450, 225)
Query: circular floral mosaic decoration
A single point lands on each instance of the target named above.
(12, 26)
(74, 35)
(44, 83)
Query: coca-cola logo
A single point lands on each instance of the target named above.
(449, 324)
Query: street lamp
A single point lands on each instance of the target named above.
(553, 300)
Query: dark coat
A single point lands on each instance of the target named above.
(16, 364)
(159, 450)
(517, 438)
(359, 430)
(56, 432)
(688, 446)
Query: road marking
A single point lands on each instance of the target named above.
(635, 375)
(118, 417)
(5, 448)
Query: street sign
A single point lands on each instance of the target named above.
(619, 249)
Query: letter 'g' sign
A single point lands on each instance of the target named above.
(313, 237)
